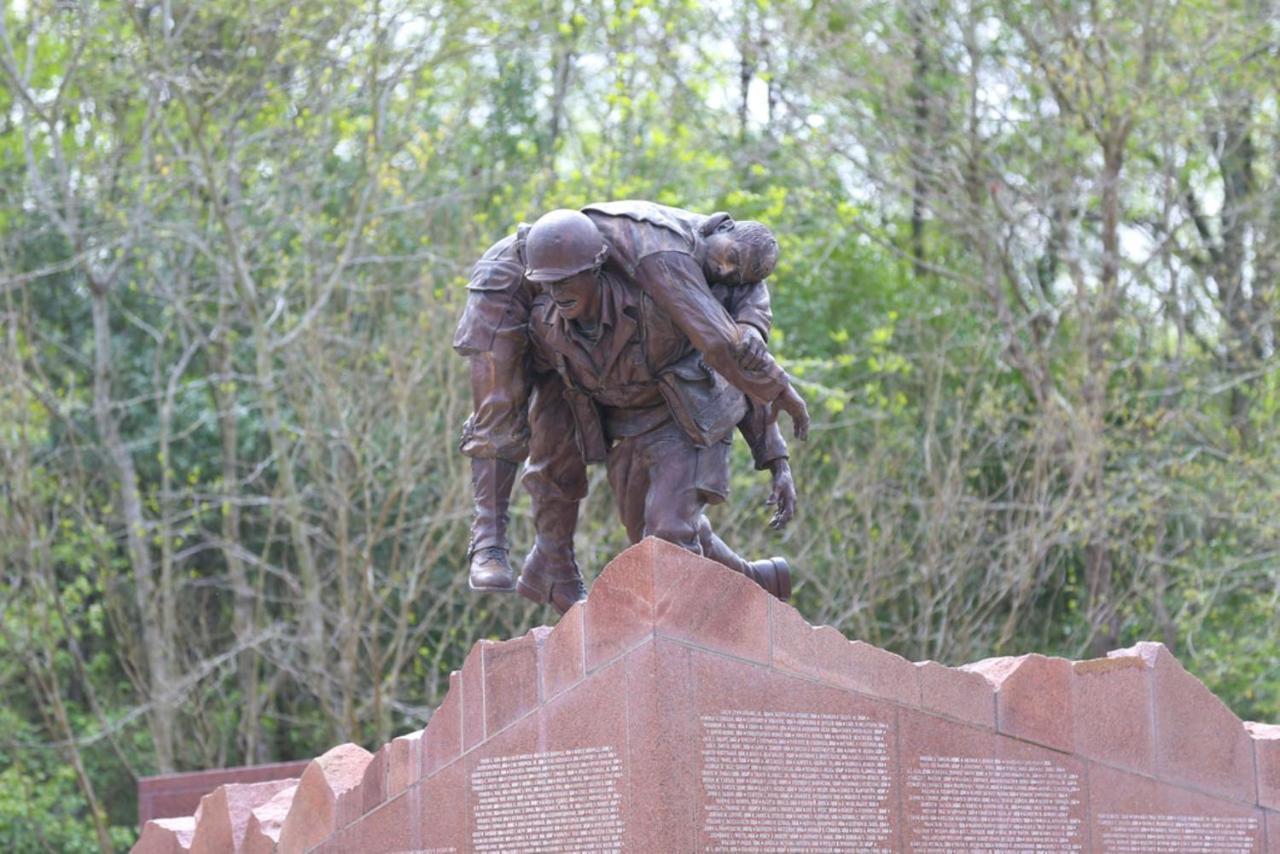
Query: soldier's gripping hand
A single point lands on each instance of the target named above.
(753, 353)
(783, 496)
(793, 404)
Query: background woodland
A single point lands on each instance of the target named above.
(1028, 284)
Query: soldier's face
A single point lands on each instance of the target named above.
(723, 263)
(577, 297)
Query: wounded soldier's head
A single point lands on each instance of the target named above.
(739, 252)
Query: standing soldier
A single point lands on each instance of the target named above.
(642, 397)
(671, 255)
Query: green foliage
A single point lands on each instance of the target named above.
(42, 809)
(1027, 284)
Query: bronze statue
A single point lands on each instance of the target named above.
(673, 260)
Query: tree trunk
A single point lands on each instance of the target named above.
(151, 599)
(242, 615)
(1092, 450)
(919, 153)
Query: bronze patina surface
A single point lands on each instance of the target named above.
(639, 330)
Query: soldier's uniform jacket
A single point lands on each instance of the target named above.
(672, 230)
(639, 372)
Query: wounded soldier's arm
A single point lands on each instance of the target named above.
(750, 305)
(492, 334)
(674, 282)
(769, 451)
(752, 308)
(763, 437)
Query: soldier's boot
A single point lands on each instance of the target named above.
(490, 566)
(773, 574)
(550, 574)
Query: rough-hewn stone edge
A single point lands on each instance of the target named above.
(193, 785)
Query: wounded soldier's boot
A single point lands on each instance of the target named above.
(773, 574)
(550, 574)
(490, 568)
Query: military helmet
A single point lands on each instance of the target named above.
(561, 244)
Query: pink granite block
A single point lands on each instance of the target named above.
(510, 681)
(179, 794)
(540, 635)
(703, 603)
(1272, 831)
(994, 670)
(1266, 751)
(472, 678)
(820, 762)
(266, 821)
(314, 813)
(389, 829)
(720, 683)
(223, 815)
(618, 614)
(591, 714)
(334, 844)
(1198, 740)
(442, 739)
(881, 673)
(443, 810)
(1033, 697)
(1129, 812)
(348, 805)
(969, 789)
(561, 653)
(554, 780)
(486, 804)
(824, 654)
(166, 836)
(956, 693)
(1111, 711)
(663, 783)
(212, 825)
(404, 763)
(244, 798)
(373, 786)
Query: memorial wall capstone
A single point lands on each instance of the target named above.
(681, 708)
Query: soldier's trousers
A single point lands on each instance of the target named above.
(555, 471)
(662, 482)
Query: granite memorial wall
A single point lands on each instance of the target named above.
(681, 708)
